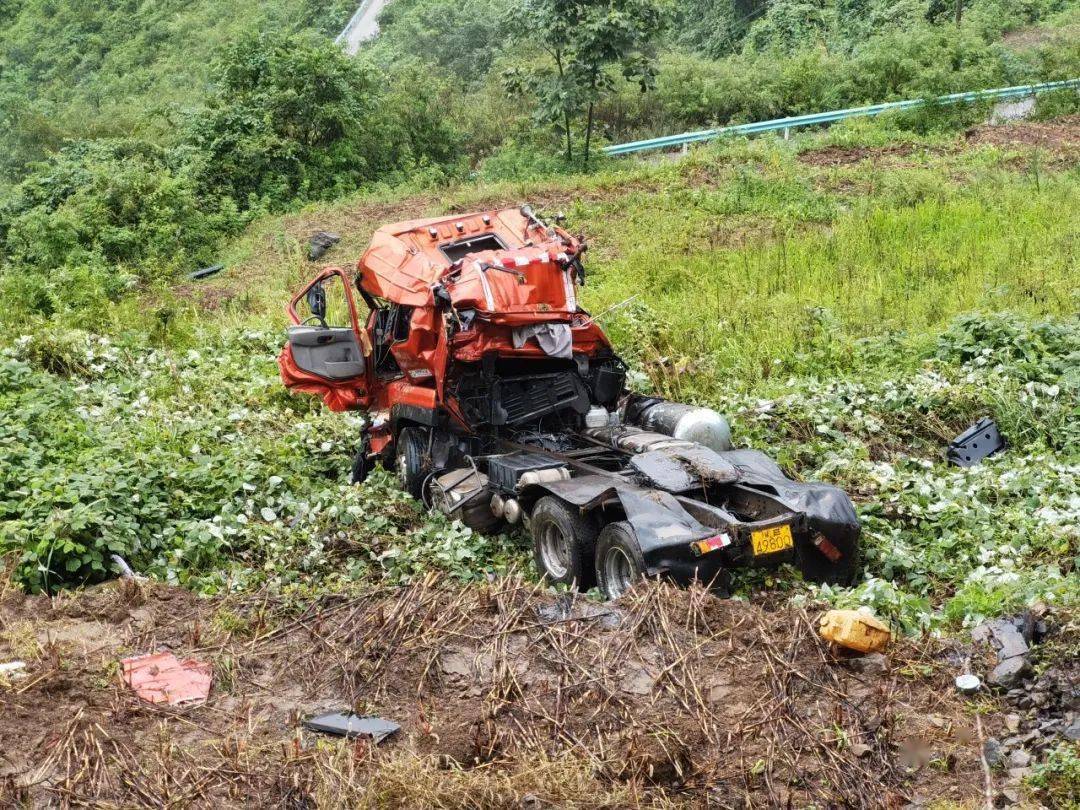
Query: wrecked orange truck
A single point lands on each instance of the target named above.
(499, 400)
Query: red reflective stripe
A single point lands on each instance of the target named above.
(828, 549)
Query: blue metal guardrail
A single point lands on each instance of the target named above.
(835, 115)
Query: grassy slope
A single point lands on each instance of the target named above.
(732, 251)
(805, 300)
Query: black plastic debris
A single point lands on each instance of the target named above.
(347, 724)
(206, 272)
(976, 443)
(320, 243)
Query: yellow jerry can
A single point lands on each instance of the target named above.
(855, 630)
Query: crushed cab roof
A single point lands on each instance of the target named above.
(406, 258)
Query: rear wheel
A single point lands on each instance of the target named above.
(413, 464)
(619, 562)
(564, 542)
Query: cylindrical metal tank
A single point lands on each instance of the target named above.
(690, 422)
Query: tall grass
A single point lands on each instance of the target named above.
(742, 261)
(882, 266)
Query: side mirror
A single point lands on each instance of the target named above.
(316, 300)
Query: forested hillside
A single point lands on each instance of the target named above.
(119, 69)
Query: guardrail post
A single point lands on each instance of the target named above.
(787, 133)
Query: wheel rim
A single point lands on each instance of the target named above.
(618, 572)
(554, 551)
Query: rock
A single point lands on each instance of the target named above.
(992, 752)
(1019, 758)
(718, 692)
(860, 750)
(1012, 722)
(1018, 774)
(1072, 733)
(1005, 637)
(637, 681)
(1012, 795)
(1009, 673)
(869, 664)
(455, 664)
(320, 243)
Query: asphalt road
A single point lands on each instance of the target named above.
(362, 25)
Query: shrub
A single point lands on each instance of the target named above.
(286, 120)
(97, 216)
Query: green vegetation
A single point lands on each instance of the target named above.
(826, 309)
(1057, 780)
(205, 114)
(117, 69)
(821, 308)
(290, 119)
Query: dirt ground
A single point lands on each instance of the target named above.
(507, 697)
(1059, 138)
(847, 155)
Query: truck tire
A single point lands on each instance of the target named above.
(412, 462)
(564, 543)
(816, 567)
(619, 562)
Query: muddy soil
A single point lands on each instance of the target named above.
(507, 697)
(1058, 139)
(848, 155)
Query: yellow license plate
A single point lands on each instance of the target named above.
(770, 541)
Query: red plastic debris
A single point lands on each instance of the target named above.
(162, 678)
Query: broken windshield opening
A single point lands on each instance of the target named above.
(474, 244)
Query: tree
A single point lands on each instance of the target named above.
(586, 39)
(716, 28)
(287, 120)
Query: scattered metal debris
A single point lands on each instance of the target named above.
(968, 684)
(976, 443)
(126, 571)
(206, 272)
(855, 630)
(320, 243)
(162, 678)
(347, 724)
(568, 607)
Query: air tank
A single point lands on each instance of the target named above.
(690, 422)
